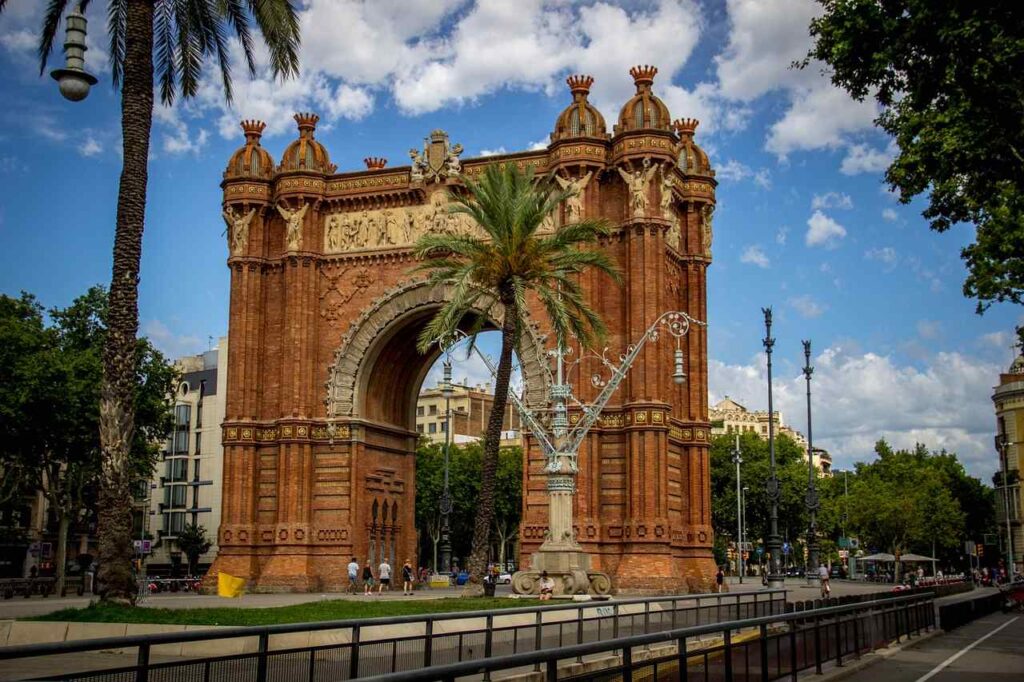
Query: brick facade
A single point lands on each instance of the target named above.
(323, 374)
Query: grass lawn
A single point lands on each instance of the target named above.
(337, 609)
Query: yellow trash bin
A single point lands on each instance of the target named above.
(229, 586)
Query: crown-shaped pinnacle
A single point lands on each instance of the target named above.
(375, 162)
(579, 84)
(253, 129)
(306, 121)
(685, 126)
(643, 75)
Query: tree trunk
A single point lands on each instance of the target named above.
(484, 521)
(117, 412)
(63, 524)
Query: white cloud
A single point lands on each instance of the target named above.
(886, 255)
(820, 117)
(781, 234)
(890, 215)
(1001, 340)
(493, 152)
(831, 200)
(754, 255)
(735, 171)
(823, 231)
(172, 345)
(861, 397)
(538, 145)
(929, 329)
(860, 158)
(807, 306)
(90, 147)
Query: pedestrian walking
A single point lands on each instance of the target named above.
(353, 575)
(719, 579)
(367, 578)
(384, 576)
(407, 578)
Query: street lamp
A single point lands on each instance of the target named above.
(74, 81)
(774, 542)
(560, 554)
(446, 499)
(812, 491)
(743, 518)
(738, 459)
(1003, 446)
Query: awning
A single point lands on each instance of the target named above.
(881, 556)
(915, 557)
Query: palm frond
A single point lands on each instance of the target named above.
(238, 18)
(279, 24)
(165, 48)
(51, 24)
(117, 20)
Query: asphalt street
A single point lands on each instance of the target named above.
(990, 649)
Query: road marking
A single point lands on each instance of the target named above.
(963, 651)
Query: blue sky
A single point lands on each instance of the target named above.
(804, 220)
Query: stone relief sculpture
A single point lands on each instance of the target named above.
(419, 165)
(238, 229)
(668, 183)
(293, 223)
(673, 235)
(332, 234)
(706, 216)
(574, 204)
(637, 182)
(438, 160)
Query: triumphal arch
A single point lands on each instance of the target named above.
(319, 435)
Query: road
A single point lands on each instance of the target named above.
(987, 650)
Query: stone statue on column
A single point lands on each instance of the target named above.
(706, 215)
(637, 182)
(574, 203)
(238, 229)
(293, 223)
(668, 183)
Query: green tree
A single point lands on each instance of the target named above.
(508, 500)
(179, 37)
(194, 543)
(50, 404)
(490, 278)
(949, 76)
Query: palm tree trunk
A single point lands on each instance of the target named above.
(117, 411)
(484, 521)
(63, 524)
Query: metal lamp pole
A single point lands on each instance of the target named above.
(774, 543)
(445, 506)
(1003, 445)
(812, 492)
(743, 518)
(738, 459)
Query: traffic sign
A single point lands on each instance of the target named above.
(785, 548)
(844, 543)
(969, 547)
(844, 554)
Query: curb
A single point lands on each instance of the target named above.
(869, 659)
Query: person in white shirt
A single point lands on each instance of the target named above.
(547, 586)
(384, 576)
(353, 574)
(823, 574)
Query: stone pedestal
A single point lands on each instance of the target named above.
(568, 565)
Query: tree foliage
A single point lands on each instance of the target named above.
(949, 75)
(193, 542)
(50, 377)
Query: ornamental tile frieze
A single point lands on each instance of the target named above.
(310, 432)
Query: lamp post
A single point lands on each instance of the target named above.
(743, 518)
(774, 542)
(812, 492)
(738, 459)
(74, 81)
(445, 506)
(1003, 446)
(560, 554)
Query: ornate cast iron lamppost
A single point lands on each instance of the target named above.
(560, 554)
(812, 492)
(73, 79)
(774, 543)
(445, 504)
(1003, 446)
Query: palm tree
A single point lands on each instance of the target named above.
(493, 275)
(175, 37)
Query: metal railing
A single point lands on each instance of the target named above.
(765, 648)
(351, 649)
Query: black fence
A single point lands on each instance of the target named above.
(958, 613)
(347, 650)
(765, 649)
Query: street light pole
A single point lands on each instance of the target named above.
(1003, 444)
(774, 543)
(812, 491)
(743, 517)
(445, 506)
(739, 506)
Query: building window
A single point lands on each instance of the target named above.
(177, 470)
(444, 427)
(174, 522)
(174, 496)
(195, 470)
(419, 428)
(433, 410)
(432, 427)
(419, 410)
